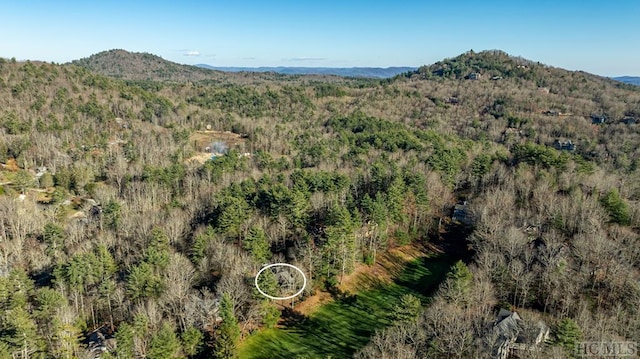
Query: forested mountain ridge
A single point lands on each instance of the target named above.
(123, 227)
(137, 66)
(142, 66)
(498, 64)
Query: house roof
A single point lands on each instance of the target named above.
(532, 334)
(508, 325)
(462, 214)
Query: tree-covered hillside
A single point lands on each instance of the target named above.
(146, 208)
(137, 66)
(142, 66)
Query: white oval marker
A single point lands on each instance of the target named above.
(304, 281)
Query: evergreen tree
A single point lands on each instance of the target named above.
(157, 254)
(198, 248)
(48, 301)
(112, 214)
(408, 309)
(395, 198)
(458, 283)
(67, 339)
(165, 344)
(297, 208)
(191, 341)
(199, 244)
(233, 212)
(270, 314)
(257, 244)
(617, 207)
(228, 331)
(21, 332)
(53, 236)
(18, 328)
(340, 245)
(268, 283)
(142, 282)
(124, 338)
(567, 334)
(105, 265)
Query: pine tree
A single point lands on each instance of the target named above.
(270, 314)
(67, 339)
(458, 283)
(18, 328)
(165, 344)
(198, 247)
(191, 341)
(228, 331)
(567, 334)
(408, 309)
(395, 198)
(22, 332)
(112, 214)
(617, 208)
(257, 244)
(157, 253)
(142, 282)
(268, 283)
(233, 212)
(105, 266)
(340, 246)
(53, 236)
(124, 338)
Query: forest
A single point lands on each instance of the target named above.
(139, 210)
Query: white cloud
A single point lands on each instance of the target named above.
(192, 53)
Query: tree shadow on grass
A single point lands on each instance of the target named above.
(425, 274)
(291, 317)
(340, 328)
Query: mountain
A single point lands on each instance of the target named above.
(139, 66)
(497, 65)
(366, 72)
(143, 66)
(633, 80)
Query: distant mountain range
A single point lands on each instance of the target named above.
(368, 72)
(634, 80)
(144, 66)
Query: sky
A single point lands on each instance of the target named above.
(601, 37)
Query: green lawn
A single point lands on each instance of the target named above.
(339, 328)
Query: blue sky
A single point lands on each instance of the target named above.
(601, 37)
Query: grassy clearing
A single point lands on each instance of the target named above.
(341, 327)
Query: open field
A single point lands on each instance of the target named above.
(202, 139)
(342, 326)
